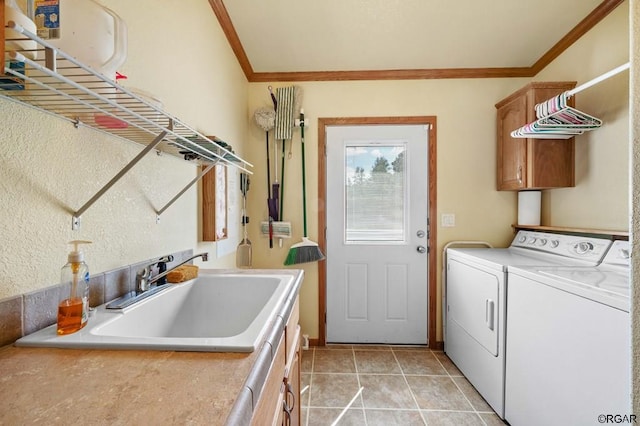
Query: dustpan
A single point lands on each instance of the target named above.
(244, 250)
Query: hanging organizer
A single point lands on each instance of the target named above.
(558, 120)
(59, 84)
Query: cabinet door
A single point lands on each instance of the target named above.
(268, 410)
(551, 162)
(512, 153)
(292, 383)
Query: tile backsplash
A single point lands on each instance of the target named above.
(33, 311)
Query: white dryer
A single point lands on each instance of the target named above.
(476, 287)
(568, 343)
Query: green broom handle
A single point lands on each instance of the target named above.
(304, 182)
(282, 183)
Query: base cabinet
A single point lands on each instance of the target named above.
(532, 163)
(279, 402)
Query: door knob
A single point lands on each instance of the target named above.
(421, 249)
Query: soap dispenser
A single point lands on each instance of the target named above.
(73, 309)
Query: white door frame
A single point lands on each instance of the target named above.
(322, 193)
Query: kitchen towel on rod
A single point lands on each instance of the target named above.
(529, 208)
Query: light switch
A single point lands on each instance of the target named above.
(448, 220)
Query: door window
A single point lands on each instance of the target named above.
(375, 193)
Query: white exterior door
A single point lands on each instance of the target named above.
(377, 234)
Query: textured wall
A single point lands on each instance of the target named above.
(48, 168)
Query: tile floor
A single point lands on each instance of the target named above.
(400, 386)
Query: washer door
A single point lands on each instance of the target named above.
(473, 302)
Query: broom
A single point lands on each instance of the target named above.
(306, 250)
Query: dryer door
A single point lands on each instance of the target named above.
(473, 302)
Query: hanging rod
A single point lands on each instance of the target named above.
(558, 120)
(599, 79)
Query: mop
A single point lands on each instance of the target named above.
(306, 250)
(286, 99)
(265, 118)
(284, 124)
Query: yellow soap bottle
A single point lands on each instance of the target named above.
(73, 309)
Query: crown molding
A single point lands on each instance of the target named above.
(584, 26)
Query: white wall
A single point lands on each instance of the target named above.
(48, 168)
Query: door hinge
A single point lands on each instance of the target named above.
(428, 229)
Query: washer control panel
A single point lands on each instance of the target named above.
(590, 249)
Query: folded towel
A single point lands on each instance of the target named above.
(183, 273)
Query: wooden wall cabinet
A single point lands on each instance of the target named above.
(532, 163)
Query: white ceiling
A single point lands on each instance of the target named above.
(356, 35)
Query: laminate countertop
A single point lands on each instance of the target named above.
(126, 387)
(70, 386)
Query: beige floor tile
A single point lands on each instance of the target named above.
(326, 417)
(438, 393)
(380, 362)
(334, 361)
(386, 391)
(420, 362)
(447, 363)
(477, 401)
(305, 380)
(363, 347)
(452, 418)
(307, 361)
(492, 419)
(333, 346)
(410, 348)
(393, 417)
(333, 390)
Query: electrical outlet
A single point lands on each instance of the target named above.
(448, 220)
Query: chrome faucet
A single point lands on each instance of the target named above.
(144, 274)
(144, 278)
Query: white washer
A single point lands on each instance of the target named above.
(568, 343)
(476, 285)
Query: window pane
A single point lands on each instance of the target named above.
(375, 193)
